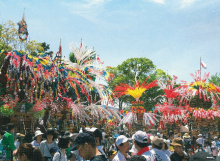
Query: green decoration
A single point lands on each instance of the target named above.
(5, 111)
(39, 114)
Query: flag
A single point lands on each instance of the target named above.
(81, 44)
(60, 49)
(203, 65)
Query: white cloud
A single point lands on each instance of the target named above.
(157, 1)
(88, 9)
(187, 3)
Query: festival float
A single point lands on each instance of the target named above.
(137, 115)
(45, 89)
(189, 104)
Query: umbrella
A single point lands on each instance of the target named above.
(201, 156)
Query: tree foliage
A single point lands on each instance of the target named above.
(140, 68)
(33, 47)
(215, 79)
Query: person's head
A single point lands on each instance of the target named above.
(50, 134)
(64, 142)
(2, 133)
(122, 144)
(140, 139)
(157, 142)
(200, 135)
(53, 150)
(177, 145)
(86, 145)
(97, 134)
(62, 133)
(26, 152)
(28, 130)
(111, 154)
(38, 135)
(10, 127)
(171, 135)
(165, 146)
(137, 158)
(215, 138)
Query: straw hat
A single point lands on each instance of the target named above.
(177, 142)
(186, 135)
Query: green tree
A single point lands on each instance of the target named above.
(9, 36)
(33, 47)
(215, 79)
(46, 47)
(140, 68)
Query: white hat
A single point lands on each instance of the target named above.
(140, 136)
(38, 132)
(121, 139)
(215, 137)
(92, 129)
(200, 135)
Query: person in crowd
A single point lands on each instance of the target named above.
(207, 148)
(178, 154)
(137, 158)
(216, 142)
(62, 133)
(190, 151)
(47, 144)
(26, 152)
(63, 144)
(85, 144)
(198, 148)
(186, 142)
(28, 136)
(108, 142)
(98, 136)
(103, 137)
(8, 142)
(111, 154)
(53, 150)
(123, 147)
(18, 140)
(165, 148)
(200, 141)
(1, 136)
(140, 140)
(113, 146)
(133, 150)
(37, 139)
(157, 144)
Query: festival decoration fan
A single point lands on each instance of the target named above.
(198, 87)
(138, 112)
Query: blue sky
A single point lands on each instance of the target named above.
(171, 33)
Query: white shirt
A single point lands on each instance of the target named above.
(57, 156)
(159, 155)
(119, 157)
(148, 155)
(200, 141)
(208, 149)
(17, 143)
(35, 144)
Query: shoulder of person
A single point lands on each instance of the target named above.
(43, 142)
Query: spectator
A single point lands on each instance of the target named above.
(98, 136)
(37, 139)
(200, 141)
(140, 139)
(47, 144)
(86, 146)
(8, 142)
(28, 153)
(111, 154)
(63, 144)
(28, 136)
(156, 151)
(178, 154)
(186, 142)
(165, 148)
(207, 148)
(1, 135)
(113, 146)
(123, 147)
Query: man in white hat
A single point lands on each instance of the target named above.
(141, 144)
(158, 154)
(123, 147)
(200, 141)
(37, 139)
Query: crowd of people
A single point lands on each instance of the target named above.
(96, 145)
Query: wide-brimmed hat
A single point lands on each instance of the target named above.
(156, 140)
(177, 142)
(38, 132)
(186, 135)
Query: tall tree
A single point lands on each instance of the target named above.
(215, 79)
(46, 47)
(139, 68)
(9, 35)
